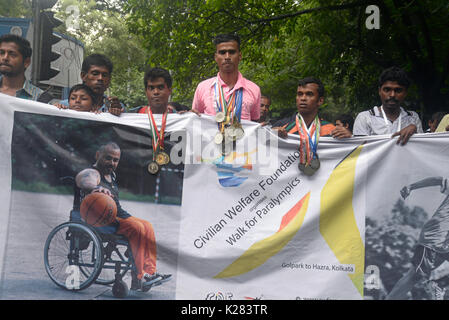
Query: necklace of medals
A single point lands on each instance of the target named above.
(160, 157)
(388, 124)
(309, 162)
(228, 117)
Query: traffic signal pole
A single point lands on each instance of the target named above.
(43, 40)
(36, 43)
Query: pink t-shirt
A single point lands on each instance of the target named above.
(204, 99)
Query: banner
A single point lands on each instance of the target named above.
(242, 226)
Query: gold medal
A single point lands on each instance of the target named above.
(153, 167)
(162, 158)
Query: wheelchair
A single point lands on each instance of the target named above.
(76, 255)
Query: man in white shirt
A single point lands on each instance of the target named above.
(390, 117)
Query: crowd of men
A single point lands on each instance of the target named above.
(228, 90)
(96, 72)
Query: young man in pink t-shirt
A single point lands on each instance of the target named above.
(228, 57)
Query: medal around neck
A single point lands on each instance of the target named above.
(307, 169)
(220, 117)
(162, 158)
(153, 167)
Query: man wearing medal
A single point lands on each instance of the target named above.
(228, 80)
(228, 96)
(306, 123)
(158, 88)
(390, 117)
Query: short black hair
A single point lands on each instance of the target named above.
(265, 96)
(111, 144)
(227, 37)
(154, 73)
(23, 44)
(437, 116)
(307, 80)
(395, 74)
(346, 118)
(84, 87)
(96, 59)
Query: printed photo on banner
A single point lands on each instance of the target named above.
(48, 244)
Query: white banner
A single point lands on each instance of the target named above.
(248, 225)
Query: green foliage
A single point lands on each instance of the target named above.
(283, 41)
(102, 30)
(15, 8)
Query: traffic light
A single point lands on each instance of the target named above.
(47, 40)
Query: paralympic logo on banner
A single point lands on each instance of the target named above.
(233, 169)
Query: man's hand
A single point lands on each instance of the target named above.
(103, 190)
(114, 106)
(281, 132)
(191, 110)
(60, 106)
(341, 133)
(405, 134)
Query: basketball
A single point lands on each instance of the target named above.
(98, 209)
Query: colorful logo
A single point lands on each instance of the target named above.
(232, 170)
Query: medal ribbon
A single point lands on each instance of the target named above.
(387, 124)
(231, 107)
(157, 136)
(308, 139)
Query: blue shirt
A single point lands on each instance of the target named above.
(28, 92)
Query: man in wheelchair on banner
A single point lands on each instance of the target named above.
(140, 234)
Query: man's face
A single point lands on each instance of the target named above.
(338, 123)
(308, 100)
(107, 160)
(392, 94)
(80, 101)
(158, 93)
(264, 107)
(228, 56)
(97, 78)
(11, 60)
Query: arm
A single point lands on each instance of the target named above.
(255, 111)
(361, 125)
(197, 104)
(281, 132)
(88, 180)
(428, 182)
(341, 132)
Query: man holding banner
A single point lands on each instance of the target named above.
(390, 117)
(306, 123)
(228, 82)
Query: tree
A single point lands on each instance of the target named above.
(286, 40)
(15, 9)
(101, 29)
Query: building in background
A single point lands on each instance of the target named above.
(68, 64)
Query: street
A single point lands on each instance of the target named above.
(34, 215)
